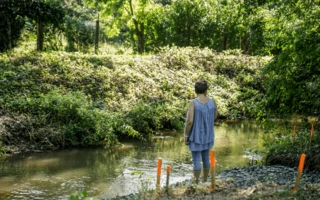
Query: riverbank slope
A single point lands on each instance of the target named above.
(52, 100)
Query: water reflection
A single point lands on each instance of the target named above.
(122, 170)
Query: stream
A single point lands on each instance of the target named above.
(126, 169)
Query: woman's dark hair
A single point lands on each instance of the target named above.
(201, 87)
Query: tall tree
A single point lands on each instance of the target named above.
(124, 13)
(11, 24)
(293, 76)
(14, 12)
(45, 12)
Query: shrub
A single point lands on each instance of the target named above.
(76, 122)
(149, 117)
(283, 149)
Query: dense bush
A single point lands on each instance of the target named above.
(292, 77)
(59, 119)
(285, 149)
(63, 99)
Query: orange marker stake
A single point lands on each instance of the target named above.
(294, 134)
(312, 131)
(300, 169)
(212, 170)
(311, 134)
(159, 173)
(168, 175)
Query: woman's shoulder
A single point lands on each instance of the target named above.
(191, 102)
(212, 101)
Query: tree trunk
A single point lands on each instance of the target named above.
(188, 35)
(39, 35)
(96, 41)
(225, 40)
(141, 39)
(140, 34)
(139, 30)
(9, 35)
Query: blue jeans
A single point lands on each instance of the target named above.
(196, 155)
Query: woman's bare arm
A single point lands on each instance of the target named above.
(216, 113)
(189, 120)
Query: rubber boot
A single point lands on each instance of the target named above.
(196, 174)
(205, 174)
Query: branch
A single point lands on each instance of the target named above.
(131, 8)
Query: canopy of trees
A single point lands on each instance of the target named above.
(13, 13)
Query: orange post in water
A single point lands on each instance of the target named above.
(159, 172)
(212, 169)
(300, 169)
(168, 175)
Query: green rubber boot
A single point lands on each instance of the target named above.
(205, 174)
(196, 174)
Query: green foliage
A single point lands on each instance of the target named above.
(63, 99)
(11, 25)
(79, 35)
(293, 75)
(79, 26)
(80, 122)
(236, 78)
(62, 119)
(81, 196)
(284, 149)
(196, 23)
(128, 16)
(219, 25)
(12, 15)
(149, 117)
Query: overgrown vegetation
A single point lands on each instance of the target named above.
(292, 77)
(283, 148)
(59, 99)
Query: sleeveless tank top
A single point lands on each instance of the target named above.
(201, 135)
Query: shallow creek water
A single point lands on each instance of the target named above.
(129, 168)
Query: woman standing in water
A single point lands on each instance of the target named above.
(199, 129)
